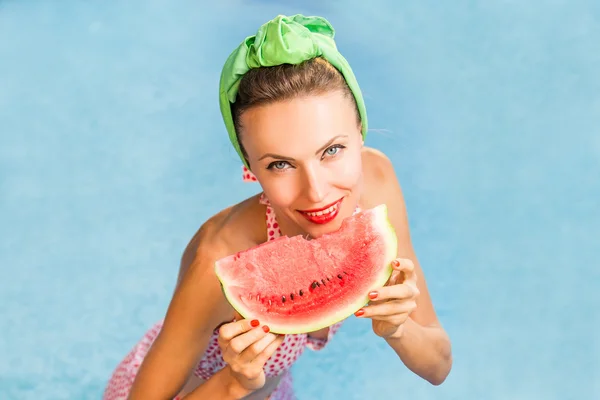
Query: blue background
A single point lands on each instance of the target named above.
(112, 153)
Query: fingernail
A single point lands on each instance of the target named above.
(396, 263)
(254, 323)
(373, 295)
(359, 312)
(266, 329)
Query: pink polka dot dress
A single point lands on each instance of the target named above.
(212, 361)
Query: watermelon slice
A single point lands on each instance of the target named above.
(295, 285)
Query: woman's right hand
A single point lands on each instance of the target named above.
(246, 347)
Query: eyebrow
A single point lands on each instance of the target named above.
(321, 149)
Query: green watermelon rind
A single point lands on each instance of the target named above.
(380, 222)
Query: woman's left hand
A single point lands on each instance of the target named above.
(391, 305)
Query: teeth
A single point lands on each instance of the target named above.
(319, 213)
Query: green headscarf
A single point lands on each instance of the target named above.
(283, 40)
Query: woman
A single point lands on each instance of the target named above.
(296, 117)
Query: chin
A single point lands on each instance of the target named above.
(330, 229)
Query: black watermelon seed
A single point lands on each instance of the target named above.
(283, 299)
(323, 280)
(314, 285)
(340, 276)
(301, 292)
(292, 296)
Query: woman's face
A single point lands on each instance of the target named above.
(306, 154)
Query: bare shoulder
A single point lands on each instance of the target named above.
(376, 164)
(381, 186)
(233, 229)
(379, 177)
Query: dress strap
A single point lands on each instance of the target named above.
(247, 175)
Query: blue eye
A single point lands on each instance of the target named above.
(278, 165)
(334, 150)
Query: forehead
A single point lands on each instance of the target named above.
(297, 125)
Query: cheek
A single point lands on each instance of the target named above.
(281, 191)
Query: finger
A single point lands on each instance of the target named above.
(395, 320)
(262, 357)
(257, 347)
(387, 309)
(253, 369)
(403, 264)
(405, 267)
(395, 278)
(233, 329)
(240, 343)
(395, 292)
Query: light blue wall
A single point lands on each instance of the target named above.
(112, 153)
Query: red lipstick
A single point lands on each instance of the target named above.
(324, 214)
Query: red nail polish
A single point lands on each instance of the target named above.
(254, 323)
(359, 312)
(373, 295)
(266, 329)
(396, 263)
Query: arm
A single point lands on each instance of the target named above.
(422, 344)
(220, 386)
(424, 349)
(196, 308)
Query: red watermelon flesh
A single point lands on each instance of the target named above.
(295, 285)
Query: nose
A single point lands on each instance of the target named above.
(315, 185)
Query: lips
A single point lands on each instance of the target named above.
(324, 214)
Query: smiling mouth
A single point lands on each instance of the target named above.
(322, 215)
